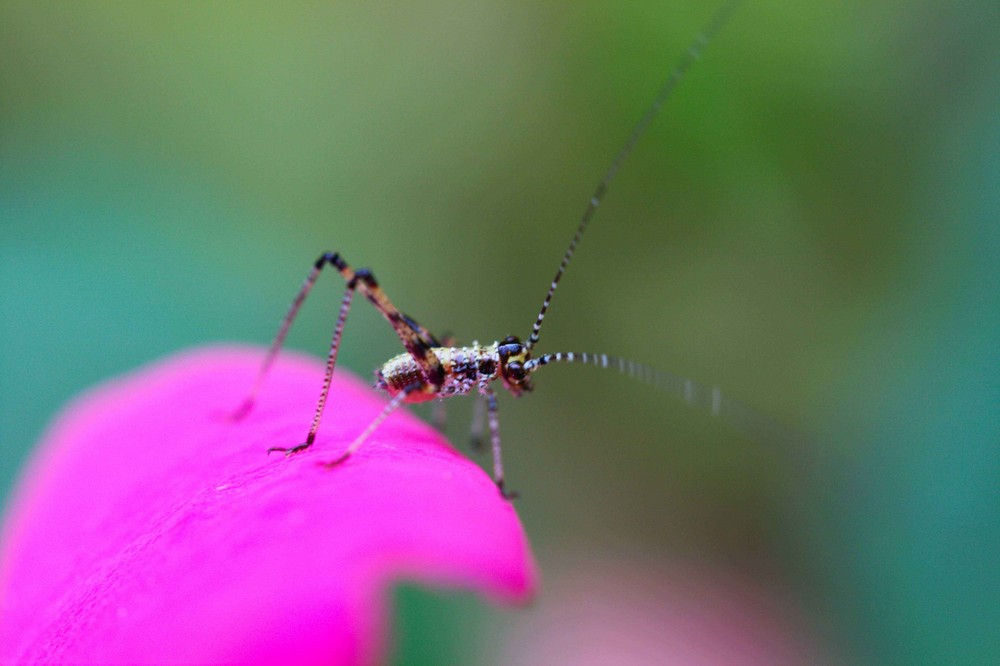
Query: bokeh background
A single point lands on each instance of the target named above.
(811, 224)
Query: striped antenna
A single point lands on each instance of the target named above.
(690, 56)
(735, 414)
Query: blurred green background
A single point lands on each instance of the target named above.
(811, 224)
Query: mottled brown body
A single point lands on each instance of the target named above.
(465, 369)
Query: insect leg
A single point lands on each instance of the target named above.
(439, 413)
(279, 339)
(331, 362)
(478, 424)
(396, 401)
(439, 416)
(417, 339)
(491, 404)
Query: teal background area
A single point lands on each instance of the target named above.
(811, 224)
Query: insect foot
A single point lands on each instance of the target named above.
(477, 444)
(240, 412)
(290, 451)
(337, 461)
(510, 495)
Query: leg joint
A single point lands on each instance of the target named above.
(333, 258)
(363, 275)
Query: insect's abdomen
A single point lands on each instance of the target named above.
(399, 372)
(465, 368)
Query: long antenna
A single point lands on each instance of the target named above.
(735, 414)
(690, 56)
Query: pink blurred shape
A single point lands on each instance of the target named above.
(150, 528)
(620, 610)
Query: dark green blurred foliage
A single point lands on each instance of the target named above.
(811, 224)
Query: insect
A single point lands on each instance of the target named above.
(433, 368)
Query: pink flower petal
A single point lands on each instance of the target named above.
(149, 528)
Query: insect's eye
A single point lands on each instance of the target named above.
(515, 370)
(509, 349)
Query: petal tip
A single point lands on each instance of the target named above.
(189, 535)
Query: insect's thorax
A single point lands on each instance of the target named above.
(465, 370)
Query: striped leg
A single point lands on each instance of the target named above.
(494, 419)
(396, 401)
(331, 363)
(439, 416)
(417, 340)
(478, 423)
